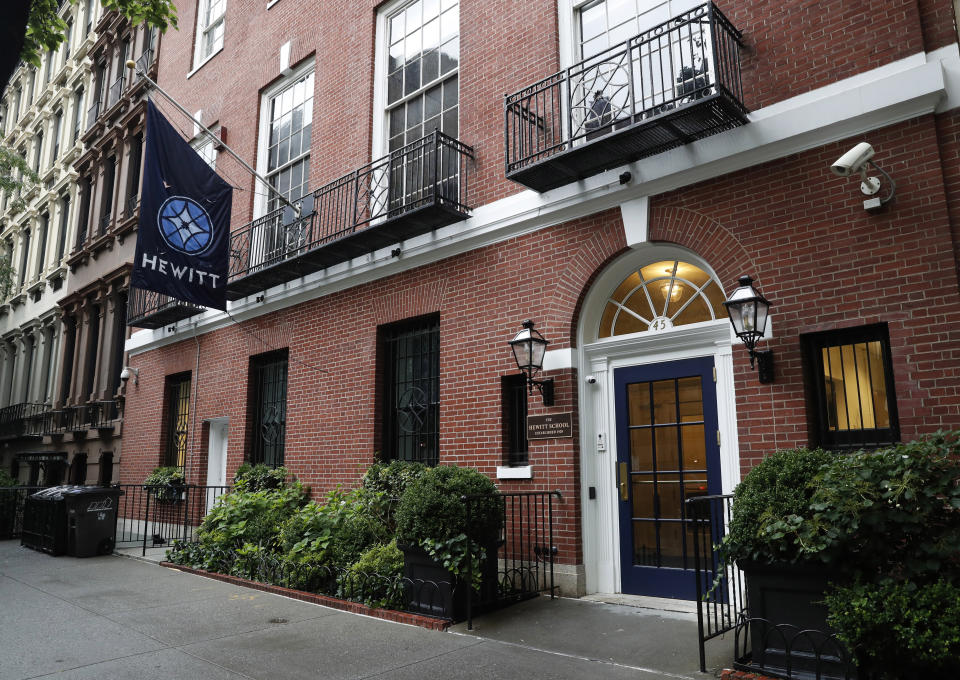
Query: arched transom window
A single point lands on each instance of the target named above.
(662, 295)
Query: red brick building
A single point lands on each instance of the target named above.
(646, 155)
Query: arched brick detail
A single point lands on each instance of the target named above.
(707, 238)
(606, 242)
(408, 302)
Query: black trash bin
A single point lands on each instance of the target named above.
(91, 520)
(45, 521)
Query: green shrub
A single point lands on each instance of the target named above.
(770, 502)
(375, 578)
(892, 514)
(6, 480)
(432, 515)
(392, 479)
(249, 517)
(165, 476)
(901, 630)
(259, 477)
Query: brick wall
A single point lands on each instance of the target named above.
(791, 48)
(825, 263)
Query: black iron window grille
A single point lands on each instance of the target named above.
(850, 379)
(514, 399)
(268, 379)
(178, 419)
(411, 390)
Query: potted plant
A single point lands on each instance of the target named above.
(167, 482)
(448, 555)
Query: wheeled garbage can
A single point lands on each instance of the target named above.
(91, 520)
(45, 521)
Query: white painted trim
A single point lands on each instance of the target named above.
(856, 106)
(211, 56)
(518, 472)
(600, 517)
(261, 195)
(636, 220)
(558, 359)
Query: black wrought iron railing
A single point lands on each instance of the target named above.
(15, 419)
(156, 516)
(786, 651)
(144, 61)
(416, 188)
(131, 205)
(104, 223)
(12, 500)
(668, 86)
(526, 552)
(103, 415)
(721, 591)
(92, 113)
(149, 309)
(116, 89)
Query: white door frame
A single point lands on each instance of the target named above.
(217, 453)
(598, 359)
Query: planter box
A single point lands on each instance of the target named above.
(789, 599)
(431, 589)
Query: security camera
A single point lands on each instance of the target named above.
(591, 379)
(125, 375)
(854, 161)
(127, 372)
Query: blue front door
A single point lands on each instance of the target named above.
(667, 452)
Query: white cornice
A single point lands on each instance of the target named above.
(894, 93)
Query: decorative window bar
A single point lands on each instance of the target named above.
(671, 85)
(149, 309)
(417, 188)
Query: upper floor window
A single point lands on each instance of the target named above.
(423, 43)
(285, 136)
(91, 9)
(851, 388)
(67, 35)
(660, 296)
(600, 24)
(57, 133)
(77, 113)
(37, 151)
(206, 148)
(48, 67)
(210, 25)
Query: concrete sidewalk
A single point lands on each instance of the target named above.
(113, 617)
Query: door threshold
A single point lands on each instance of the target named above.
(644, 602)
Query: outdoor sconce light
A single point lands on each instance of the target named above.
(748, 311)
(528, 349)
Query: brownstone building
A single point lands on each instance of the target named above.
(646, 155)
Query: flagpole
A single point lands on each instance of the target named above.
(132, 65)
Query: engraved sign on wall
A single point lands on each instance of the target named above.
(552, 426)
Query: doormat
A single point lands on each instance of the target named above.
(420, 620)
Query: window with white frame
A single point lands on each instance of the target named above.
(206, 148)
(210, 26)
(600, 24)
(423, 44)
(285, 131)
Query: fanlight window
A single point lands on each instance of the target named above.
(660, 296)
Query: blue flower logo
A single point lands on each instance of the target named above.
(185, 225)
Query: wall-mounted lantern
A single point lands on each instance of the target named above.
(748, 311)
(529, 348)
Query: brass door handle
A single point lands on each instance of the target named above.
(622, 483)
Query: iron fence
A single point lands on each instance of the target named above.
(721, 590)
(526, 550)
(787, 651)
(14, 419)
(430, 171)
(92, 114)
(687, 59)
(150, 309)
(12, 500)
(116, 88)
(156, 516)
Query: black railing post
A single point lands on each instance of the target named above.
(553, 590)
(466, 501)
(146, 522)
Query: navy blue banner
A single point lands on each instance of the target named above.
(184, 236)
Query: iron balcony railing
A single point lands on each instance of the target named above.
(413, 190)
(671, 85)
(144, 62)
(104, 223)
(102, 414)
(131, 205)
(149, 309)
(92, 113)
(14, 419)
(116, 89)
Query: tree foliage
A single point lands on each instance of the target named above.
(45, 28)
